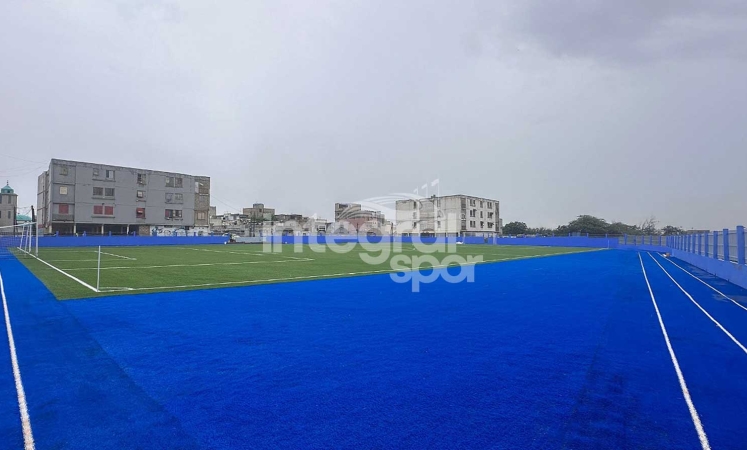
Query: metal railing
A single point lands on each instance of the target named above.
(724, 245)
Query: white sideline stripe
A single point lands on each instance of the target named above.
(220, 251)
(118, 256)
(719, 292)
(28, 436)
(61, 271)
(310, 277)
(685, 392)
(700, 307)
(193, 265)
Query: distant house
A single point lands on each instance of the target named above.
(22, 219)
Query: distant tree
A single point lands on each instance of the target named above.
(648, 226)
(541, 231)
(588, 224)
(514, 228)
(619, 228)
(670, 230)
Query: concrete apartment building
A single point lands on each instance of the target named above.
(352, 218)
(8, 206)
(259, 213)
(450, 216)
(76, 197)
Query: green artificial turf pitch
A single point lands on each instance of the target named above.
(169, 268)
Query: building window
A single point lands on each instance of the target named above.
(98, 209)
(10, 215)
(490, 215)
(169, 197)
(178, 198)
(141, 178)
(140, 213)
(1, 198)
(95, 173)
(64, 170)
(438, 225)
(109, 192)
(178, 182)
(414, 215)
(471, 202)
(63, 190)
(140, 194)
(490, 205)
(173, 213)
(63, 208)
(108, 210)
(481, 214)
(201, 216)
(482, 224)
(98, 192)
(481, 204)
(109, 174)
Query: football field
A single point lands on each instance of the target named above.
(75, 272)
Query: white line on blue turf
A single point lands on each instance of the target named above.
(700, 307)
(719, 292)
(28, 437)
(685, 392)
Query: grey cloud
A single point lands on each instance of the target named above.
(624, 32)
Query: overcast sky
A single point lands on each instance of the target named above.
(617, 109)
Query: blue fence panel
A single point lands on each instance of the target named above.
(126, 241)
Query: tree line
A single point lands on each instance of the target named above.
(593, 226)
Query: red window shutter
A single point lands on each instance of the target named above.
(108, 210)
(64, 208)
(98, 209)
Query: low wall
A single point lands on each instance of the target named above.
(125, 241)
(729, 271)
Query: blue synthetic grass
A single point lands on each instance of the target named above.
(557, 352)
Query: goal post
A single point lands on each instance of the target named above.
(19, 240)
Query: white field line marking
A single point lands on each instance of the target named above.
(685, 392)
(223, 251)
(700, 307)
(28, 437)
(329, 275)
(61, 271)
(193, 265)
(719, 292)
(118, 256)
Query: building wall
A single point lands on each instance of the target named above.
(140, 197)
(8, 208)
(454, 215)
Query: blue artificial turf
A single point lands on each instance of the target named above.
(557, 352)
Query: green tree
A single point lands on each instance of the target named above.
(670, 230)
(514, 228)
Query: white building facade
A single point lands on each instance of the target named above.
(449, 216)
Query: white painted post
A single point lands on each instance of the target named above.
(98, 271)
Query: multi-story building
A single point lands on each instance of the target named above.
(259, 213)
(76, 197)
(451, 215)
(8, 206)
(351, 218)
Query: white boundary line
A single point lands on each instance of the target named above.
(685, 392)
(700, 307)
(239, 263)
(716, 290)
(119, 256)
(61, 271)
(28, 436)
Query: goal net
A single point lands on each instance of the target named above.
(18, 241)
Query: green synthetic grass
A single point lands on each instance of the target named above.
(169, 268)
